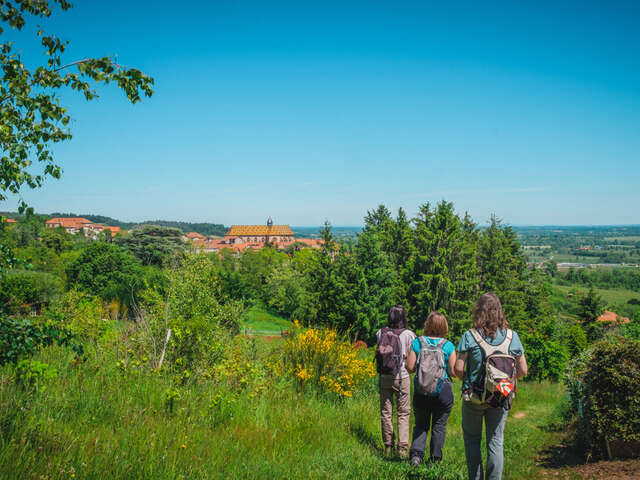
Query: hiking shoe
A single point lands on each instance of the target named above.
(403, 453)
(388, 451)
(415, 461)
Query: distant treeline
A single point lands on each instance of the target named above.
(208, 229)
(627, 278)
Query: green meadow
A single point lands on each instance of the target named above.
(96, 421)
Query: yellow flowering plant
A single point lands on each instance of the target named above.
(319, 358)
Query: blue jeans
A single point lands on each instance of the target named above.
(494, 418)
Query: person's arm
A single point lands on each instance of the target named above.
(451, 364)
(410, 363)
(458, 369)
(521, 366)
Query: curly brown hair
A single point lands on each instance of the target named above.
(488, 315)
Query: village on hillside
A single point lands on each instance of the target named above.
(237, 239)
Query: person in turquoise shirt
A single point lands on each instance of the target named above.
(490, 322)
(431, 410)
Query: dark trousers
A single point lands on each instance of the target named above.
(431, 412)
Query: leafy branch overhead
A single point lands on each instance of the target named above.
(31, 116)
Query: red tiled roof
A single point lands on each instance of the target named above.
(68, 222)
(194, 235)
(612, 317)
(10, 220)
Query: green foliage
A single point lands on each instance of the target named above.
(22, 338)
(442, 273)
(80, 312)
(32, 374)
(31, 116)
(604, 383)
(152, 244)
(107, 271)
(591, 307)
(21, 288)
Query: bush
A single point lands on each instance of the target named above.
(82, 313)
(604, 383)
(20, 288)
(318, 358)
(30, 374)
(21, 338)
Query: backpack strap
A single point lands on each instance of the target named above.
(441, 342)
(423, 342)
(486, 347)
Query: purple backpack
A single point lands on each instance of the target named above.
(389, 351)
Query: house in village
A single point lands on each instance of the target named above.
(75, 225)
(194, 237)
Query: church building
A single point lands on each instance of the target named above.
(268, 233)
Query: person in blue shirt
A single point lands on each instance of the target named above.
(431, 410)
(491, 324)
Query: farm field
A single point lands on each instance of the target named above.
(613, 296)
(95, 421)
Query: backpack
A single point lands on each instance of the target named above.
(389, 351)
(431, 368)
(497, 386)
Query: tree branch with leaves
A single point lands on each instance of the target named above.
(32, 118)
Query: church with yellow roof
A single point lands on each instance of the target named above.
(268, 233)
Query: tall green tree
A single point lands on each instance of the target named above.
(106, 270)
(591, 307)
(441, 274)
(152, 244)
(380, 280)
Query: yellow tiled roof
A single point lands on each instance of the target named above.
(247, 230)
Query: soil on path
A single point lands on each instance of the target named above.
(618, 469)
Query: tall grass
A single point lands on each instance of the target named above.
(95, 421)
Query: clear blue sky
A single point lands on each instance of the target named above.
(307, 111)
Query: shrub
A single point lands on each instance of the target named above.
(30, 374)
(604, 383)
(318, 358)
(82, 313)
(21, 338)
(19, 288)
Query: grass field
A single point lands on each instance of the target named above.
(95, 421)
(613, 296)
(258, 321)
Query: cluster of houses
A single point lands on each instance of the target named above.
(237, 239)
(251, 237)
(75, 225)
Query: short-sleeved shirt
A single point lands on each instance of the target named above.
(448, 348)
(406, 337)
(468, 344)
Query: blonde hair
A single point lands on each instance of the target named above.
(436, 325)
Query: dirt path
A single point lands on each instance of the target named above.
(618, 469)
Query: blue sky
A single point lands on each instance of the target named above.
(306, 111)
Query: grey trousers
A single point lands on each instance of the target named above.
(431, 412)
(494, 419)
(401, 389)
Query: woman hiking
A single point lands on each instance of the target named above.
(394, 381)
(490, 360)
(434, 357)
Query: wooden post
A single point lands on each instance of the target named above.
(164, 348)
